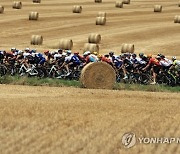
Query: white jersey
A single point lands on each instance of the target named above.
(57, 56)
(140, 61)
(68, 58)
(165, 62)
(26, 54)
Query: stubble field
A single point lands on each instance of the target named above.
(72, 120)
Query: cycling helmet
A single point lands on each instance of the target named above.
(33, 50)
(100, 56)
(69, 52)
(95, 53)
(173, 58)
(60, 50)
(162, 56)
(111, 53)
(47, 51)
(141, 54)
(76, 53)
(134, 55)
(149, 56)
(12, 49)
(158, 57)
(159, 54)
(27, 49)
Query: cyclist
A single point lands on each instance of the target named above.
(155, 65)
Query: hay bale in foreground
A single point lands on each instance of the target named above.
(101, 14)
(177, 19)
(36, 1)
(94, 38)
(98, 1)
(77, 9)
(33, 16)
(127, 48)
(119, 4)
(36, 40)
(1, 9)
(126, 1)
(66, 44)
(100, 21)
(17, 5)
(99, 75)
(91, 47)
(157, 8)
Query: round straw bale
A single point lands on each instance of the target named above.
(119, 4)
(98, 75)
(177, 19)
(94, 38)
(91, 47)
(33, 16)
(126, 1)
(77, 9)
(36, 1)
(1, 9)
(157, 8)
(101, 14)
(17, 5)
(36, 40)
(65, 44)
(127, 48)
(98, 1)
(100, 20)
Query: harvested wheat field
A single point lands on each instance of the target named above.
(136, 23)
(71, 120)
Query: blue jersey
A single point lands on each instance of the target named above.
(75, 59)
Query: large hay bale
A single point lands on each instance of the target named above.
(77, 9)
(157, 8)
(127, 48)
(177, 19)
(36, 1)
(119, 4)
(98, 1)
(17, 5)
(1, 9)
(36, 40)
(91, 47)
(33, 16)
(94, 38)
(98, 75)
(126, 1)
(65, 44)
(101, 14)
(100, 21)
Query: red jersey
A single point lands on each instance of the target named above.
(105, 59)
(154, 61)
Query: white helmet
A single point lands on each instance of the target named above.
(13, 48)
(69, 52)
(27, 49)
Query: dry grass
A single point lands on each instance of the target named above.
(70, 120)
(135, 24)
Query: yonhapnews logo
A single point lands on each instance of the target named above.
(130, 139)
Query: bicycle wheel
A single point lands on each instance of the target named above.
(3, 70)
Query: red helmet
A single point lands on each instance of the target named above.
(47, 51)
(77, 53)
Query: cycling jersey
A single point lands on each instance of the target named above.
(75, 59)
(154, 61)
